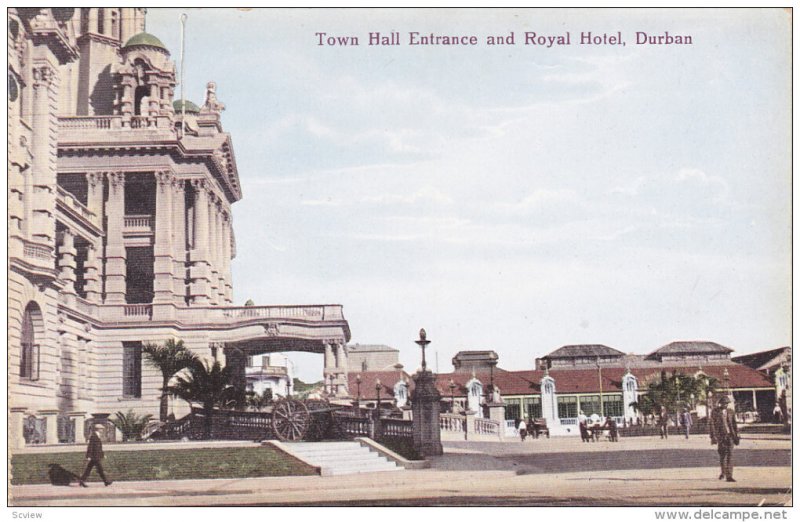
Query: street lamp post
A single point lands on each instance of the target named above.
(358, 393)
(452, 387)
(423, 342)
(378, 403)
(600, 380)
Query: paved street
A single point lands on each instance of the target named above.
(554, 472)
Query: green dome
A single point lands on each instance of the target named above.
(144, 39)
(190, 107)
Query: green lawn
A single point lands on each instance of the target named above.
(165, 464)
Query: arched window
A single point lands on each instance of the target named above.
(29, 356)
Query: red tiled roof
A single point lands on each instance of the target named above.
(388, 380)
(578, 380)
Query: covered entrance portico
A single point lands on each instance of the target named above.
(257, 330)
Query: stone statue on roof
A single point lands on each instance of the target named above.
(212, 104)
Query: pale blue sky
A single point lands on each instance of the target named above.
(514, 198)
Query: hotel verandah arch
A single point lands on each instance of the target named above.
(120, 226)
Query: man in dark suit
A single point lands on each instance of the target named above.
(725, 435)
(94, 456)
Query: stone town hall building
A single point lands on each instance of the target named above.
(120, 227)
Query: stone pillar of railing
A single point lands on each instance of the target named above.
(426, 408)
(78, 418)
(162, 248)
(200, 273)
(51, 433)
(115, 247)
(16, 422)
(67, 264)
(94, 196)
(179, 241)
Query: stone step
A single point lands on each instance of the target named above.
(342, 458)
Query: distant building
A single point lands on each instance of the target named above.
(474, 360)
(371, 357)
(576, 378)
(273, 371)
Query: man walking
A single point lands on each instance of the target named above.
(94, 454)
(725, 435)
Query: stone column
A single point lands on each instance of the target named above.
(66, 261)
(51, 435)
(200, 274)
(329, 362)
(425, 406)
(213, 249)
(179, 240)
(341, 369)
(115, 247)
(219, 247)
(162, 249)
(16, 421)
(226, 258)
(92, 275)
(94, 198)
(42, 200)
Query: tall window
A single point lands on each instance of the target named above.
(29, 356)
(590, 405)
(512, 409)
(132, 369)
(613, 406)
(567, 407)
(532, 407)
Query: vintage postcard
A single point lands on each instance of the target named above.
(400, 257)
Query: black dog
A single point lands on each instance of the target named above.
(60, 476)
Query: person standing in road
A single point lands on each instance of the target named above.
(523, 430)
(725, 435)
(663, 420)
(94, 456)
(686, 421)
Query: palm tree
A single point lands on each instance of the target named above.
(170, 358)
(130, 424)
(209, 385)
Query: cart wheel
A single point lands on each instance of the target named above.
(290, 419)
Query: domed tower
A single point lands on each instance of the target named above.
(144, 83)
(100, 33)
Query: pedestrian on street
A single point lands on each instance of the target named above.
(777, 413)
(662, 422)
(94, 456)
(582, 427)
(686, 421)
(725, 435)
(523, 430)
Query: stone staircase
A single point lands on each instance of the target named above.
(340, 458)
